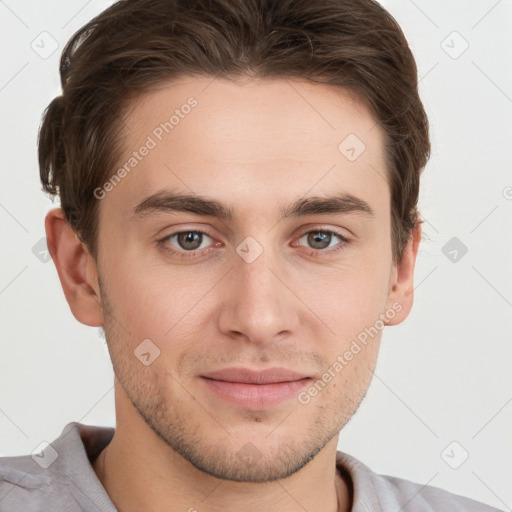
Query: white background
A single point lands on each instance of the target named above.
(442, 376)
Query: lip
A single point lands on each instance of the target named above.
(255, 390)
(248, 376)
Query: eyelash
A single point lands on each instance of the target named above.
(163, 243)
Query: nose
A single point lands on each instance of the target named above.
(258, 304)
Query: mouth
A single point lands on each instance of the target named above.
(255, 390)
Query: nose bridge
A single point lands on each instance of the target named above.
(256, 282)
(257, 303)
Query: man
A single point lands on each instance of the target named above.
(238, 182)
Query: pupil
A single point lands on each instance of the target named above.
(319, 240)
(190, 240)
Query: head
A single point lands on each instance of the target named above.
(239, 186)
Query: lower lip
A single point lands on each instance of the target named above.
(255, 396)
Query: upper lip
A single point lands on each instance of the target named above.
(248, 376)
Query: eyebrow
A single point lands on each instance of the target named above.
(165, 201)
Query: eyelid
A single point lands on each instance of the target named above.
(325, 229)
(182, 253)
(342, 244)
(202, 231)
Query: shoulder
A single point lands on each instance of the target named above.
(24, 485)
(382, 492)
(58, 478)
(429, 498)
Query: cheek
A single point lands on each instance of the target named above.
(350, 295)
(156, 301)
(350, 300)
(345, 380)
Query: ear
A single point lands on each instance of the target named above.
(76, 268)
(401, 285)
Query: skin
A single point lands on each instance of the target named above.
(255, 146)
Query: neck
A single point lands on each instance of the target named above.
(150, 476)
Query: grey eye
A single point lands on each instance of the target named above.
(319, 239)
(189, 240)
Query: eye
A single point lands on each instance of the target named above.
(190, 240)
(192, 243)
(319, 240)
(185, 243)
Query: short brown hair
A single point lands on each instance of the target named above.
(136, 45)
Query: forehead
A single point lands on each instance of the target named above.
(216, 137)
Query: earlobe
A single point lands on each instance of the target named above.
(401, 287)
(76, 269)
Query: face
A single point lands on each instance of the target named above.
(288, 268)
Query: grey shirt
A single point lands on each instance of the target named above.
(61, 478)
